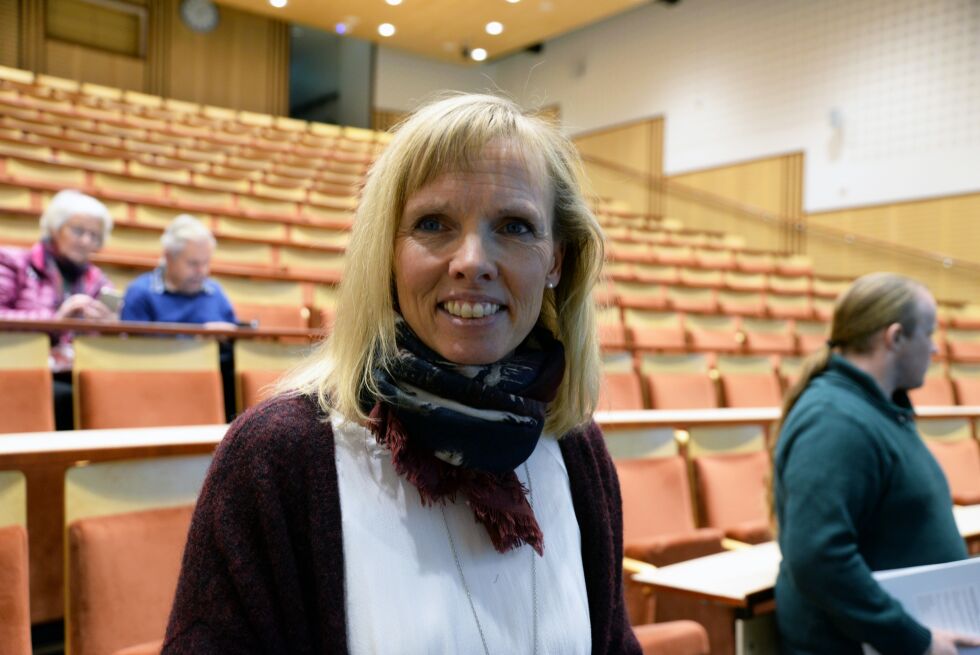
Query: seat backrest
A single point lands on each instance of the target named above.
(682, 391)
(960, 461)
(274, 316)
(620, 391)
(967, 391)
(935, 390)
(656, 497)
(125, 399)
(751, 389)
(254, 386)
(123, 573)
(731, 487)
(26, 401)
(15, 610)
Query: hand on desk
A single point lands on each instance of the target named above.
(80, 305)
(945, 643)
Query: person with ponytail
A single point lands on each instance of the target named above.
(855, 490)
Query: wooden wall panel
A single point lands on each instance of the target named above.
(30, 45)
(243, 63)
(8, 33)
(625, 160)
(77, 62)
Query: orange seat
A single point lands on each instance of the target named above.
(967, 391)
(658, 521)
(751, 389)
(770, 343)
(682, 391)
(672, 638)
(254, 386)
(126, 399)
(620, 391)
(732, 492)
(25, 401)
(612, 336)
(274, 316)
(122, 576)
(15, 611)
(936, 390)
(964, 351)
(664, 339)
(960, 461)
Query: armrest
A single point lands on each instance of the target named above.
(750, 532)
(734, 544)
(672, 548)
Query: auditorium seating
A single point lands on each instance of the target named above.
(748, 381)
(679, 381)
(146, 382)
(258, 364)
(25, 383)
(15, 618)
(954, 446)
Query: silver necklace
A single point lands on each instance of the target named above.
(466, 587)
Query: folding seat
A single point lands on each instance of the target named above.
(253, 257)
(797, 306)
(126, 525)
(15, 611)
(829, 287)
(794, 265)
(823, 309)
(270, 231)
(24, 171)
(620, 388)
(741, 303)
(788, 370)
(719, 259)
(631, 251)
(692, 299)
(640, 295)
(92, 162)
(681, 637)
(619, 271)
(318, 263)
(679, 381)
(651, 330)
(713, 332)
(146, 382)
(937, 389)
(656, 274)
(952, 443)
(273, 316)
(754, 262)
(811, 335)
(258, 364)
(966, 382)
(658, 522)
(26, 403)
(770, 336)
(160, 173)
(730, 469)
(700, 277)
(966, 317)
(138, 189)
(612, 333)
(748, 381)
(963, 345)
(674, 255)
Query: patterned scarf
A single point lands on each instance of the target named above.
(462, 430)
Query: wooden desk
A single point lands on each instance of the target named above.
(44, 457)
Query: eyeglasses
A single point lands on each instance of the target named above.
(79, 232)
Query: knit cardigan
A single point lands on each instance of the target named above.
(263, 569)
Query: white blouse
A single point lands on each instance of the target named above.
(404, 593)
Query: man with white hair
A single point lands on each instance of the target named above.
(179, 290)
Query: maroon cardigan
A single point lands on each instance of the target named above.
(263, 570)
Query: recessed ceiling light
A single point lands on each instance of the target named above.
(478, 54)
(394, 3)
(386, 29)
(513, 2)
(494, 27)
(340, 28)
(278, 4)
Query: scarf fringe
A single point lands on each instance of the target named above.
(499, 501)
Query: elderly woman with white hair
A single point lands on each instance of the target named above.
(431, 480)
(55, 279)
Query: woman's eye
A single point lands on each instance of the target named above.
(517, 227)
(429, 224)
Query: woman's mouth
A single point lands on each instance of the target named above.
(471, 309)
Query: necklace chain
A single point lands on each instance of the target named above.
(466, 587)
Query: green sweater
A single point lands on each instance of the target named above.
(856, 491)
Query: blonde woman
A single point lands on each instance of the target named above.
(855, 488)
(431, 480)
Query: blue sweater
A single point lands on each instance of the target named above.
(147, 299)
(856, 491)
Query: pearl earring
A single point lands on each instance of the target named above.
(551, 285)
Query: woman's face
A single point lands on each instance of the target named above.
(78, 237)
(473, 254)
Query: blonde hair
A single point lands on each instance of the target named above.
(447, 135)
(869, 305)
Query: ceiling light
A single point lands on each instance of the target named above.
(478, 54)
(340, 28)
(278, 4)
(513, 2)
(386, 29)
(394, 3)
(494, 27)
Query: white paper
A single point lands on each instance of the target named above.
(943, 596)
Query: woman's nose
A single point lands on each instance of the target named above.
(473, 259)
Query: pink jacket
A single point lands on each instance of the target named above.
(32, 288)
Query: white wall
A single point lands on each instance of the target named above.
(745, 79)
(403, 80)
